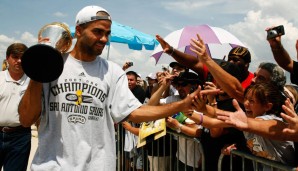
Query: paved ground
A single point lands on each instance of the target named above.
(34, 144)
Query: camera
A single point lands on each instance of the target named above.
(164, 68)
(130, 63)
(276, 31)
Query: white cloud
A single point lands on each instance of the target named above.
(60, 14)
(197, 9)
(252, 31)
(5, 39)
(28, 38)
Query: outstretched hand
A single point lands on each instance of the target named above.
(291, 117)
(166, 79)
(126, 125)
(199, 102)
(172, 123)
(238, 118)
(188, 100)
(199, 48)
(165, 45)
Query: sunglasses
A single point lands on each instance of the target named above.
(182, 84)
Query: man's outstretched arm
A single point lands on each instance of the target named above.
(184, 59)
(226, 81)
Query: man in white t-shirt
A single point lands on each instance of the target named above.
(78, 110)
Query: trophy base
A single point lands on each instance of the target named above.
(42, 63)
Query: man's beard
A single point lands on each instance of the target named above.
(90, 50)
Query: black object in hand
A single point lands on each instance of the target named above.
(276, 31)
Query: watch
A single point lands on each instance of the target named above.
(178, 130)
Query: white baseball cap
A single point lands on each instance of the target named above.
(152, 76)
(88, 14)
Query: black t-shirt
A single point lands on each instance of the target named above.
(139, 93)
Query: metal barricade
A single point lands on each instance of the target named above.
(158, 150)
(256, 161)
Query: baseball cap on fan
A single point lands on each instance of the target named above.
(241, 52)
(91, 13)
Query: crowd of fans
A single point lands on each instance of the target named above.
(236, 109)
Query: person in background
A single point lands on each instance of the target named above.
(292, 92)
(78, 112)
(141, 82)
(242, 58)
(283, 58)
(238, 55)
(188, 155)
(214, 139)
(177, 68)
(4, 65)
(133, 155)
(266, 72)
(152, 82)
(136, 90)
(15, 140)
(186, 82)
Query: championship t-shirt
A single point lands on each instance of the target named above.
(79, 111)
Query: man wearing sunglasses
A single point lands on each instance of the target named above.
(185, 83)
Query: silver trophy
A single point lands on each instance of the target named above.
(58, 34)
(43, 62)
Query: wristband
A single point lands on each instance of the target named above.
(178, 130)
(213, 104)
(201, 119)
(172, 50)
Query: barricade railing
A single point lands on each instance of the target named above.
(256, 162)
(172, 141)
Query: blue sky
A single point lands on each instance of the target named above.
(246, 19)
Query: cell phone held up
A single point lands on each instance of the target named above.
(276, 31)
(130, 64)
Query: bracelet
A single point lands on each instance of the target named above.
(180, 125)
(172, 50)
(213, 104)
(178, 130)
(201, 119)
